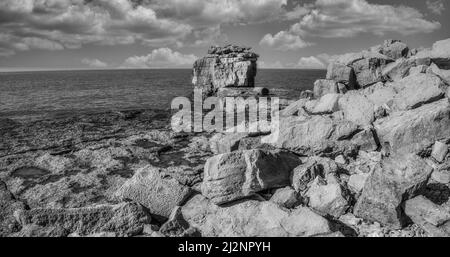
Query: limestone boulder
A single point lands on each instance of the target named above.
(325, 86)
(417, 90)
(393, 181)
(313, 135)
(125, 219)
(8, 205)
(399, 69)
(232, 176)
(305, 174)
(439, 54)
(157, 193)
(394, 49)
(357, 108)
(252, 218)
(415, 130)
(342, 74)
(432, 218)
(286, 197)
(327, 197)
(327, 104)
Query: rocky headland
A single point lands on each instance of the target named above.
(366, 153)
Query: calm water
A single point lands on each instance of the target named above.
(33, 94)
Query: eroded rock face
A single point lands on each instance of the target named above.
(251, 218)
(357, 108)
(415, 130)
(393, 181)
(229, 66)
(313, 135)
(236, 175)
(342, 74)
(160, 195)
(417, 90)
(8, 205)
(327, 197)
(394, 49)
(439, 54)
(431, 217)
(125, 219)
(325, 86)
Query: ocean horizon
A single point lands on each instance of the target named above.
(36, 94)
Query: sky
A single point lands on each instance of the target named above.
(116, 34)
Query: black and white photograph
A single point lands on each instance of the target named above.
(189, 119)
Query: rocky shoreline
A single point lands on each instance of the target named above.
(365, 154)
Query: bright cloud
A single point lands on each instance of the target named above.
(94, 63)
(283, 41)
(59, 24)
(310, 63)
(161, 58)
(348, 18)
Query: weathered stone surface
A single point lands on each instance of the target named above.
(441, 176)
(325, 105)
(443, 74)
(286, 197)
(126, 219)
(380, 93)
(304, 175)
(160, 195)
(418, 69)
(398, 69)
(8, 205)
(236, 175)
(342, 74)
(393, 181)
(326, 197)
(417, 90)
(357, 108)
(294, 109)
(226, 143)
(357, 182)
(177, 226)
(439, 54)
(251, 218)
(439, 151)
(394, 49)
(430, 216)
(415, 130)
(230, 66)
(369, 69)
(312, 135)
(325, 86)
(366, 140)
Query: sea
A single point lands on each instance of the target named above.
(39, 94)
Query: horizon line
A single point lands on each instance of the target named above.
(15, 70)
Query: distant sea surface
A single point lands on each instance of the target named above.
(33, 95)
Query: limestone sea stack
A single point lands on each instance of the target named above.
(229, 66)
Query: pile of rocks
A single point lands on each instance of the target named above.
(368, 156)
(371, 150)
(227, 71)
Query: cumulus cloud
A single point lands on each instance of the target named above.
(161, 58)
(73, 23)
(435, 6)
(94, 63)
(283, 41)
(348, 18)
(311, 62)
